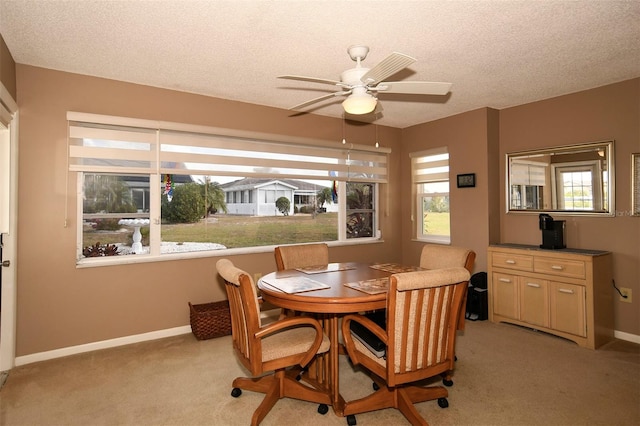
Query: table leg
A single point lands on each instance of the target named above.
(324, 371)
(334, 353)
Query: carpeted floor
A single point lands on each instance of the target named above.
(505, 375)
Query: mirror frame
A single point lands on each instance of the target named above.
(609, 205)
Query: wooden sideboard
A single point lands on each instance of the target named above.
(567, 292)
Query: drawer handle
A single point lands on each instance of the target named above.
(535, 285)
(557, 267)
(505, 280)
(565, 290)
(510, 262)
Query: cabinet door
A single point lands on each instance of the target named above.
(534, 301)
(568, 308)
(505, 295)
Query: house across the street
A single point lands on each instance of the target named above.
(257, 197)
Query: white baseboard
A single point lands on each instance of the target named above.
(634, 338)
(105, 344)
(121, 341)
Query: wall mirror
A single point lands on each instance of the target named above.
(572, 180)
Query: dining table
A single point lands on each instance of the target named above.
(330, 292)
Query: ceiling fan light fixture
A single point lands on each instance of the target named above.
(359, 103)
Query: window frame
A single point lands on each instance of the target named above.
(350, 171)
(598, 193)
(425, 175)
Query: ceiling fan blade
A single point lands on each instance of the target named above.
(312, 79)
(387, 67)
(413, 87)
(321, 98)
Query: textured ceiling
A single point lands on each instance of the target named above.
(496, 53)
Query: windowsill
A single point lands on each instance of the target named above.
(441, 240)
(146, 258)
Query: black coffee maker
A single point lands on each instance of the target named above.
(552, 232)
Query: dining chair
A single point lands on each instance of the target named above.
(417, 301)
(301, 256)
(277, 346)
(437, 256)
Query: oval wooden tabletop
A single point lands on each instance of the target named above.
(338, 298)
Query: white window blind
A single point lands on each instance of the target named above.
(528, 174)
(103, 144)
(111, 149)
(430, 166)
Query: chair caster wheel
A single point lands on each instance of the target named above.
(351, 420)
(443, 403)
(447, 383)
(323, 409)
(236, 392)
(375, 386)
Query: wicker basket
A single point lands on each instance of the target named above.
(209, 320)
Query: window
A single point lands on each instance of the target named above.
(360, 210)
(527, 185)
(152, 189)
(580, 186)
(430, 179)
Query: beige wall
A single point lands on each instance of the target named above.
(61, 306)
(478, 142)
(469, 137)
(7, 69)
(605, 113)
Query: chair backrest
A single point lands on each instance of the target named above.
(422, 317)
(245, 314)
(437, 256)
(301, 256)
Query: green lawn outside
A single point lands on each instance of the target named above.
(438, 223)
(236, 231)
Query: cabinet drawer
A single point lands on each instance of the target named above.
(560, 267)
(512, 261)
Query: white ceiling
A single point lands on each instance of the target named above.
(496, 53)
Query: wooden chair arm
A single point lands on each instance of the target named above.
(292, 322)
(289, 322)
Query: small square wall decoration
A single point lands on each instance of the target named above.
(467, 180)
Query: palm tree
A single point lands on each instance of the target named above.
(214, 197)
(108, 194)
(324, 196)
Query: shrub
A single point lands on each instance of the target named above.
(283, 204)
(98, 250)
(107, 224)
(306, 209)
(187, 205)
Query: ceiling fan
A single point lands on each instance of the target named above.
(361, 84)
